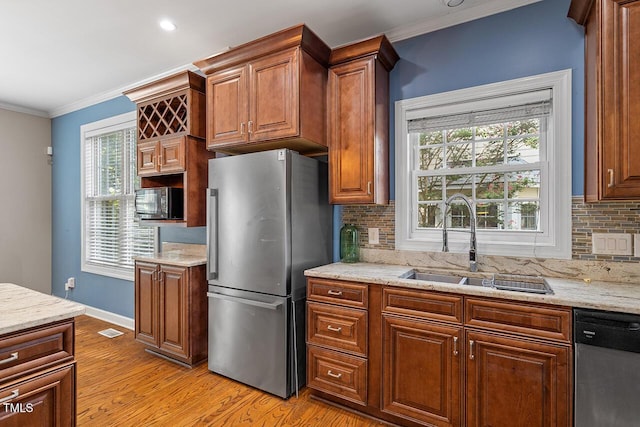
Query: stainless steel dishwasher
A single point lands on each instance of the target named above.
(607, 369)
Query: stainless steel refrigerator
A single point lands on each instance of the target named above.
(268, 220)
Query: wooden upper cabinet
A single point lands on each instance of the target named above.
(268, 93)
(612, 94)
(171, 106)
(358, 122)
(227, 109)
(170, 147)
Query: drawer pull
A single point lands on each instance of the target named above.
(331, 374)
(455, 346)
(15, 393)
(334, 293)
(611, 178)
(332, 329)
(14, 356)
(471, 355)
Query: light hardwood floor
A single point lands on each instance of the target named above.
(119, 384)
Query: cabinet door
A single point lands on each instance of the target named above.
(227, 107)
(146, 303)
(274, 96)
(351, 127)
(516, 383)
(147, 158)
(174, 322)
(46, 400)
(421, 371)
(621, 62)
(172, 157)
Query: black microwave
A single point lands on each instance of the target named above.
(159, 203)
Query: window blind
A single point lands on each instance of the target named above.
(481, 117)
(112, 236)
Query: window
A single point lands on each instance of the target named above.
(110, 235)
(507, 147)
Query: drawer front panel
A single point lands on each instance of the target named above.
(337, 292)
(337, 374)
(26, 352)
(422, 304)
(340, 328)
(526, 319)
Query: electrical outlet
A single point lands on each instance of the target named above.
(71, 283)
(374, 236)
(611, 243)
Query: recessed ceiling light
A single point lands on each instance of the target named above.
(167, 25)
(452, 3)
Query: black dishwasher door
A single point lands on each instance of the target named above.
(607, 369)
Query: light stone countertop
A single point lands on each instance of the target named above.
(23, 308)
(621, 297)
(180, 254)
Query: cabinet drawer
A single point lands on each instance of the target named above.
(422, 304)
(44, 400)
(337, 292)
(526, 319)
(26, 352)
(341, 328)
(337, 374)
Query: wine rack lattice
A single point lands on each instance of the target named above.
(163, 117)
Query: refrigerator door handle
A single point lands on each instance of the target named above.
(270, 306)
(212, 234)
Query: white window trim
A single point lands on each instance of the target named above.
(86, 131)
(553, 242)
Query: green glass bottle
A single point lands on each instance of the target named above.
(349, 249)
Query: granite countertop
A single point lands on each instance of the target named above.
(621, 297)
(23, 308)
(180, 254)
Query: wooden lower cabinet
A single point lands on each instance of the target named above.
(45, 400)
(171, 310)
(38, 376)
(514, 382)
(430, 362)
(422, 371)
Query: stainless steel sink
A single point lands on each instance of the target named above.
(507, 282)
(518, 283)
(434, 277)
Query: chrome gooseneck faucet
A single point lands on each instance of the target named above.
(473, 265)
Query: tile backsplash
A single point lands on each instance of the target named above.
(587, 218)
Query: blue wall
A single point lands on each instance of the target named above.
(98, 291)
(530, 40)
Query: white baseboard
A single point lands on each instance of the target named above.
(107, 316)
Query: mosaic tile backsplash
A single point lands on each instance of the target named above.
(587, 218)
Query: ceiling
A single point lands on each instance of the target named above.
(59, 56)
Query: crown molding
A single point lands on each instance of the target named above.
(19, 109)
(454, 18)
(106, 96)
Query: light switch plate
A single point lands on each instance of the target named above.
(611, 243)
(374, 236)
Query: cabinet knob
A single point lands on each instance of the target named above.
(471, 355)
(250, 127)
(455, 346)
(11, 358)
(332, 329)
(242, 128)
(369, 187)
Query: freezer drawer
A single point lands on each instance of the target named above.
(249, 339)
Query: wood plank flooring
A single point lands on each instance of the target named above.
(119, 384)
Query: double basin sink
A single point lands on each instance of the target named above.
(517, 283)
